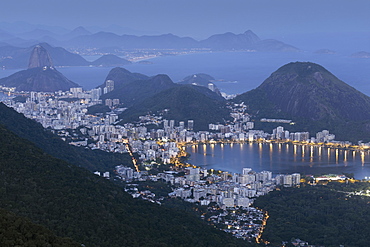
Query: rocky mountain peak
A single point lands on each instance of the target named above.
(40, 57)
(252, 36)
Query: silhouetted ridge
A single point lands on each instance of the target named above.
(182, 103)
(46, 79)
(312, 96)
(52, 144)
(138, 90)
(122, 76)
(110, 60)
(200, 79)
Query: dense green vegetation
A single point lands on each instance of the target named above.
(321, 215)
(312, 97)
(122, 76)
(100, 108)
(159, 95)
(53, 145)
(74, 203)
(183, 103)
(19, 231)
(136, 91)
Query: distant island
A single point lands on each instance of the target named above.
(361, 54)
(325, 51)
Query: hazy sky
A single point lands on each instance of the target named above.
(196, 18)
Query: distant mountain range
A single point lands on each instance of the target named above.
(15, 57)
(109, 41)
(227, 41)
(245, 41)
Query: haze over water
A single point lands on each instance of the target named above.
(239, 71)
(236, 72)
(280, 158)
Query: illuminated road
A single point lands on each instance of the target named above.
(129, 150)
(259, 237)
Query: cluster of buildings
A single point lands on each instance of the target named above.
(67, 113)
(245, 223)
(227, 196)
(323, 136)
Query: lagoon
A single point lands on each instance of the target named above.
(280, 158)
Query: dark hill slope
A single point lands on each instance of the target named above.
(183, 102)
(52, 144)
(110, 60)
(313, 97)
(38, 79)
(139, 90)
(321, 215)
(201, 79)
(73, 202)
(198, 79)
(20, 231)
(122, 76)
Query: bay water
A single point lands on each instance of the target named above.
(235, 72)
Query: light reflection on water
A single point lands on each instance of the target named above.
(281, 158)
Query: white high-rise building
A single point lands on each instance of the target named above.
(109, 84)
(288, 180)
(296, 179)
(182, 125)
(95, 94)
(190, 124)
(246, 170)
(172, 124)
